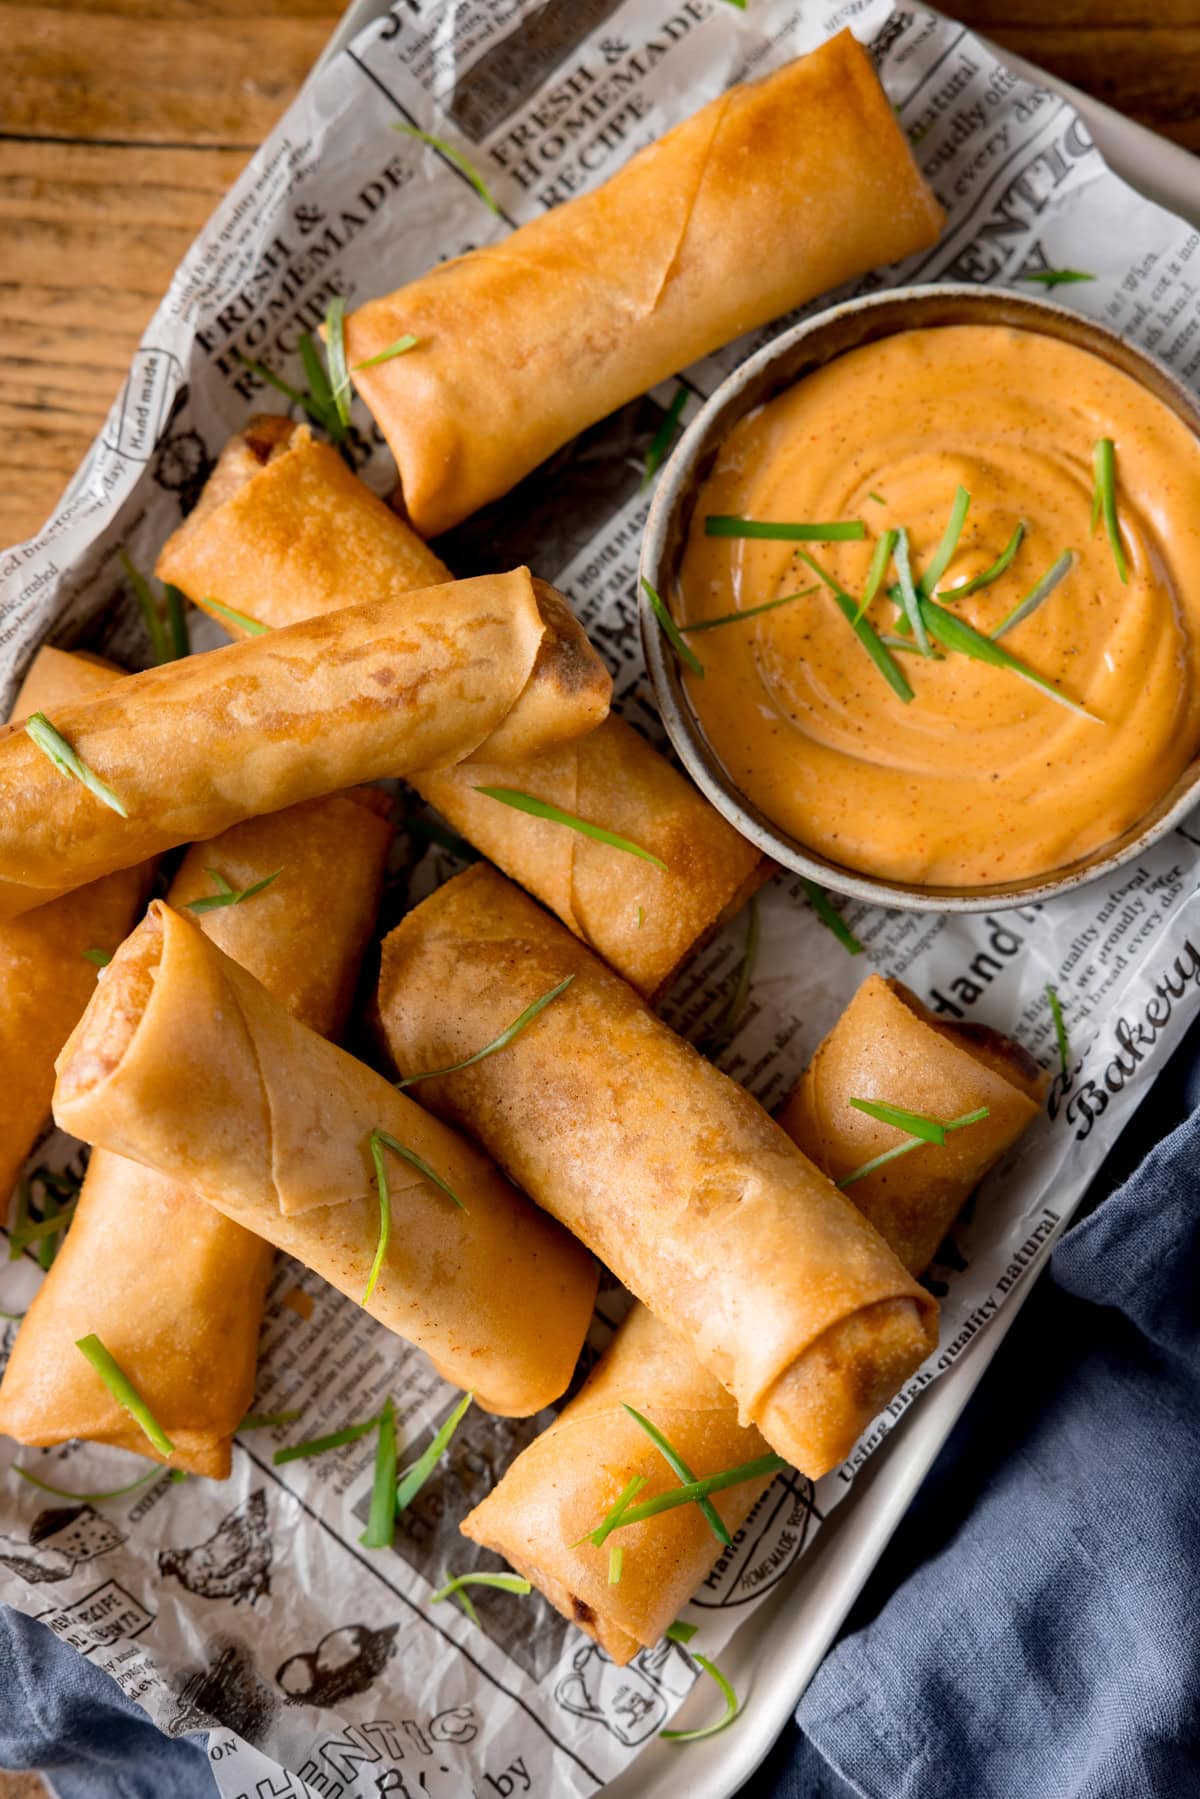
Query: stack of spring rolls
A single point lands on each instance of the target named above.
(465, 1216)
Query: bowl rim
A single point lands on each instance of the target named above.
(681, 477)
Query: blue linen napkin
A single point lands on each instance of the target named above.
(1032, 1631)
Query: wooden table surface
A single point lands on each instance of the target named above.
(122, 122)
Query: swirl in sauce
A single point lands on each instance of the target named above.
(980, 779)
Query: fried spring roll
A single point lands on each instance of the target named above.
(170, 1285)
(887, 1047)
(672, 1173)
(564, 1483)
(415, 681)
(768, 196)
(45, 977)
(284, 531)
(184, 1062)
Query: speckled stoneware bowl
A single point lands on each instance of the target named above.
(795, 353)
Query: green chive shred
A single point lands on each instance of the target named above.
(303, 1452)
(461, 162)
(1104, 501)
(681, 1470)
(498, 1043)
(909, 1144)
(55, 747)
(830, 917)
(988, 575)
(227, 895)
(250, 626)
(124, 1392)
(719, 524)
(525, 802)
(1060, 1029)
(864, 630)
(381, 1521)
(735, 618)
(1037, 595)
(414, 1478)
(671, 631)
(507, 1583)
(661, 441)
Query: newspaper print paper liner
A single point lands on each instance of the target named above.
(249, 1607)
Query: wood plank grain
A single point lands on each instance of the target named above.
(1152, 76)
(187, 79)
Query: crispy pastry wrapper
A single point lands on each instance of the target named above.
(184, 1062)
(419, 680)
(170, 1285)
(773, 193)
(565, 1482)
(887, 1047)
(45, 979)
(663, 1166)
(283, 531)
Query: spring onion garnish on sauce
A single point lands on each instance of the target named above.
(878, 569)
(156, 1473)
(864, 630)
(124, 1392)
(848, 530)
(987, 575)
(681, 1470)
(949, 543)
(930, 1130)
(735, 618)
(414, 1478)
(227, 895)
(1041, 590)
(250, 626)
(461, 163)
(303, 1452)
(507, 1583)
(661, 440)
(1060, 1029)
(267, 1420)
(671, 631)
(908, 595)
(498, 1043)
(830, 917)
(381, 1521)
(878, 499)
(683, 1634)
(99, 958)
(911, 1143)
(525, 802)
(55, 746)
(616, 1556)
(1104, 501)
(907, 647)
(954, 633)
(1050, 278)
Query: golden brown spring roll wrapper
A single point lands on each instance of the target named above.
(45, 980)
(170, 1285)
(771, 194)
(415, 681)
(887, 1047)
(641, 921)
(184, 1062)
(284, 531)
(570, 1476)
(671, 1172)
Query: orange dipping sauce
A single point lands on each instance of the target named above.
(980, 778)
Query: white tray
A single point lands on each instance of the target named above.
(776, 1653)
